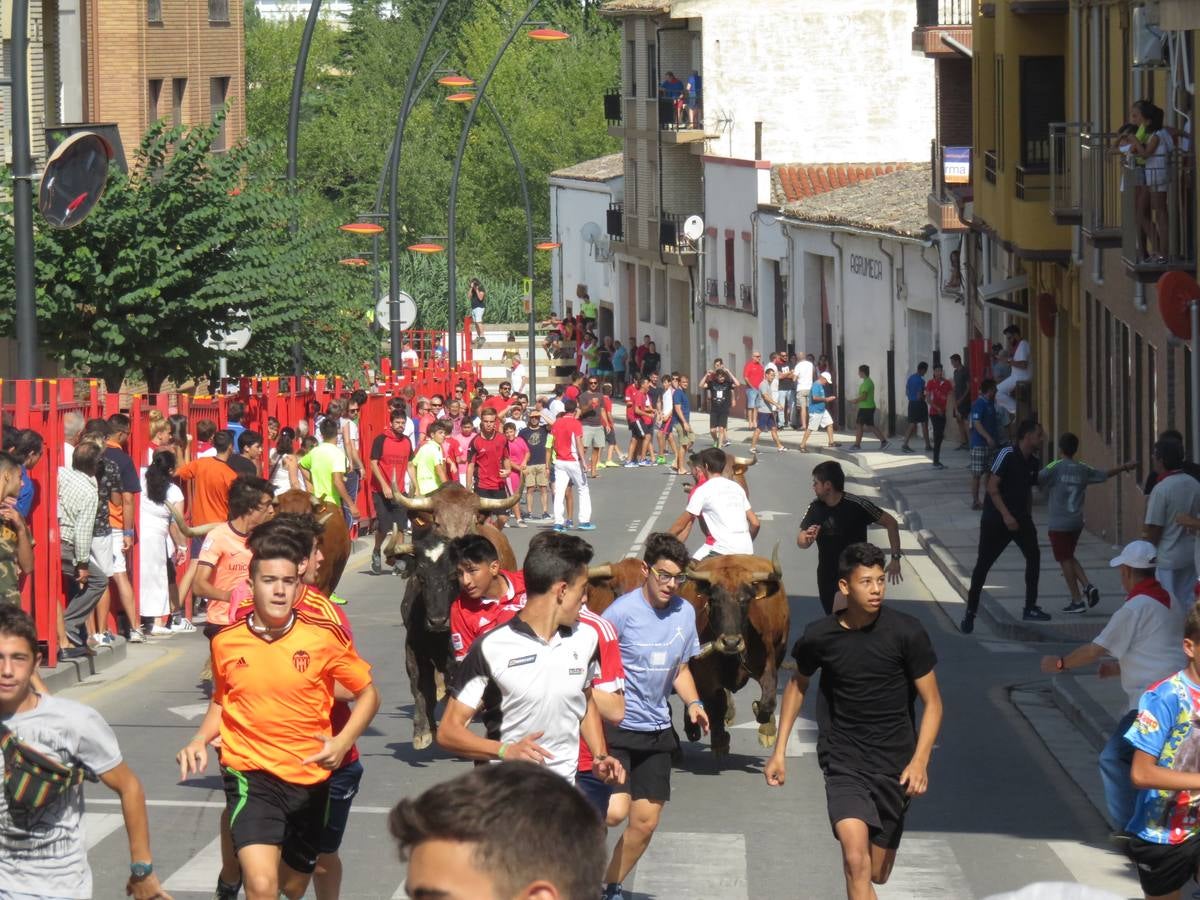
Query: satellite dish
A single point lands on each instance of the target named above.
(74, 179)
(408, 312)
(590, 232)
(693, 228)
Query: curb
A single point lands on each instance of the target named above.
(1094, 722)
(71, 672)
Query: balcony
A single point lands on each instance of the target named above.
(1101, 189)
(938, 19)
(612, 107)
(671, 236)
(710, 291)
(615, 221)
(675, 126)
(951, 186)
(729, 293)
(991, 163)
(1066, 171)
(1033, 172)
(746, 297)
(1162, 237)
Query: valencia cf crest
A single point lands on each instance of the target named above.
(300, 659)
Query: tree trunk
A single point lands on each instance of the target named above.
(113, 379)
(154, 378)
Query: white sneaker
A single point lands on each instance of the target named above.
(183, 626)
(160, 631)
(136, 636)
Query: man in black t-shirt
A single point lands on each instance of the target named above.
(835, 520)
(874, 662)
(1007, 516)
(719, 383)
(537, 467)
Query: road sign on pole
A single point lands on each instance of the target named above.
(406, 312)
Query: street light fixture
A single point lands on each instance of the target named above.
(367, 228)
(425, 248)
(456, 81)
(354, 261)
(548, 35)
(461, 97)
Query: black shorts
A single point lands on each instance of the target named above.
(1164, 868)
(719, 416)
(879, 800)
(388, 513)
(343, 785)
(264, 809)
(646, 757)
(827, 588)
(917, 412)
(491, 493)
(636, 429)
(610, 437)
(866, 417)
(595, 791)
(964, 409)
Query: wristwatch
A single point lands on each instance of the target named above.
(141, 869)
(897, 555)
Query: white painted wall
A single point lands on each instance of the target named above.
(830, 81)
(573, 204)
(335, 11)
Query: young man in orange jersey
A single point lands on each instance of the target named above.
(285, 662)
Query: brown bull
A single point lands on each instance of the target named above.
(735, 470)
(335, 536)
(449, 512)
(742, 619)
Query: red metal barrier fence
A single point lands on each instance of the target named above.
(41, 405)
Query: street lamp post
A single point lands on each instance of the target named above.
(25, 311)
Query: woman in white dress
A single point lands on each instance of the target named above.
(161, 544)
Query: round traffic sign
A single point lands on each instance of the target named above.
(407, 315)
(1177, 291)
(74, 178)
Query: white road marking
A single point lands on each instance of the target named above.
(1005, 647)
(1098, 868)
(200, 872)
(400, 894)
(219, 804)
(191, 711)
(655, 513)
(98, 826)
(693, 866)
(770, 515)
(926, 868)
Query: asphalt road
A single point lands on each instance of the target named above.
(1000, 812)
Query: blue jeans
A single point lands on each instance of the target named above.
(751, 401)
(1115, 761)
(787, 399)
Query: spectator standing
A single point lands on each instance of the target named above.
(478, 297)
(865, 401)
(937, 393)
(84, 576)
(16, 546)
(537, 438)
(671, 90)
(247, 462)
(73, 421)
(121, 517)
(518, 375)
(1008, 516)
(682, 435)
(819, 418)
(752, 377)
(1065, 482)
(985, 437)
(518, 456)
(620, 366)
(651, 360)
(27, 449)
(918, 410)
(694, 88)
(787, 392)
(1022, 370)
(205, 430)
(769, 407)
(805, 374)
(162, 544)
(568, 469)
(285, 467)
(233, 423)
(591, 418)
(213, 476)
(1175, 495)
(348, 440)
(108, 487)
(962, 397)
(1143, 637)
(720, 384)
(391, 452)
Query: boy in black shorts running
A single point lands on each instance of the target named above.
(872, 661)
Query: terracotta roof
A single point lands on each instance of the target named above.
(621, 7)
(790, 183)
(602, 168)
(890, 203)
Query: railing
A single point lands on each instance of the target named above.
(990, 165)
(710, 290)
(729, 294)
(612, 106)
(746, 297)
(1066, 169)
(1032, 182)
(670, 233)
(1158, 223)
(615, 221)
(933, 13)
(1102, 187)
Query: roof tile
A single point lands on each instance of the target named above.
(792, 183)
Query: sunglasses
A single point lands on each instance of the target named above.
(436, 405)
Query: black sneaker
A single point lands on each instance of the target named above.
(967, 625)
(612, 892)
(1035, 614)
(938, 465)
(1093, 595)
(1075, 606)
(376, 563)
(226, 891)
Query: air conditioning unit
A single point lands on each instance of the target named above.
(1149, 42)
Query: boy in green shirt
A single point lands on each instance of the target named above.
(428, 468)
(866, 409)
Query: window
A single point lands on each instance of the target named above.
(154, 11)
(631, 187)
(178, 90)
(153, 95)
(631, 68)
(652, 69)
(998, 112)
(218, 10)
(218, 89)
(1043, 100)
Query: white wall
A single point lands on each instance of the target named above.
(830, 81)
(574, 204)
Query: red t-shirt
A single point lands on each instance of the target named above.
(612, 671)
(607, 406)
(498, 403)
(630, 402)
(565, 429)
(471, 618)
(393, 455)
(938, 394)
(752, 374)
(488, 454)
(571, 392)
(642, 400)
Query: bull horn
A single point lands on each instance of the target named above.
(697, 575)
(325, 518)
(758, 575)
(316, 501)
(192, 531)
(393, 547)
(746, 461)
(415, 504)
(489, 505)
(601, 571)
(775, 565)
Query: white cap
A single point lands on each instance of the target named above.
(1136, 555)
(827, 376)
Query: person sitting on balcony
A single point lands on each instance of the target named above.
(1153, 144)
(672, 89)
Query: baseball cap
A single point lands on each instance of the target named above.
(827, 375)
(1136, 555)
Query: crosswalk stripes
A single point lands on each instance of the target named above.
(926, 869)
(98, 826)
(1098, 868)
(693, 866)
(200, 872)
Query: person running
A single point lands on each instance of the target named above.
(427, 469)
(865, 401)
(918, 409)
(391, 452)
(1008, 516)
(834, 521)
(937, 395)
(544, 703)
(874, 662)
(723, 508)
(1165, 831)
(985, 437)
(326, 465)
(819, 418)
(488, 463)
(273, 690)
(769, 410)
(1143, 637)
(656, 629)
(568, 469)
(488, 596)
(1065, 482)
(720, 384)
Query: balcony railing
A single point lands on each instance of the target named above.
(670, 233)
(1032, 183)
(1066, 171)
(1102, 187)
(710, 290)
(1158, 228)
(612, 106)
(746, 297)
(991, 163)
(729, 293)
(615, 220)
(935, 13)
